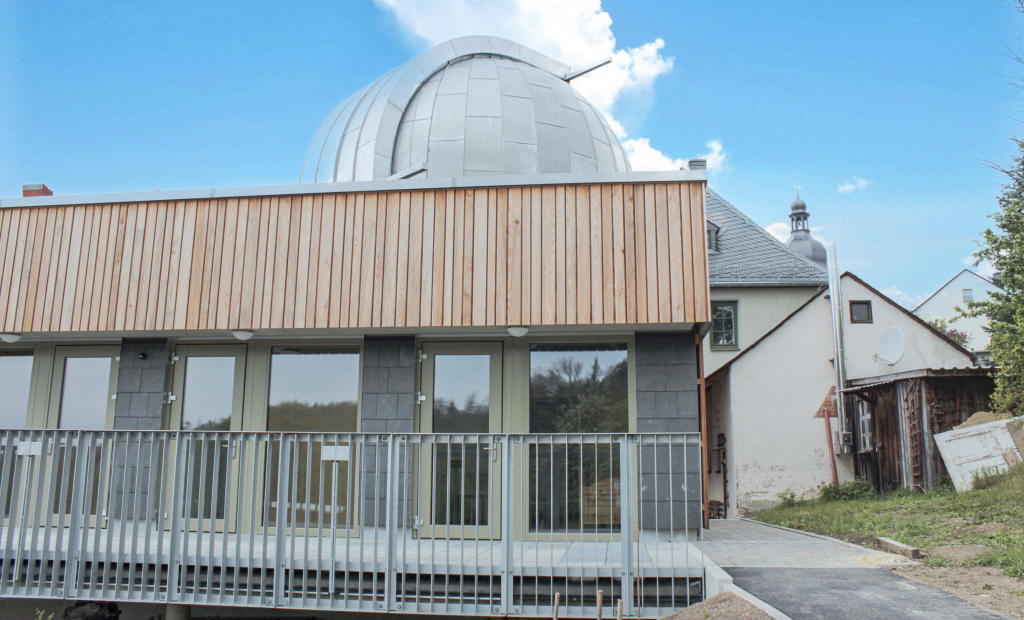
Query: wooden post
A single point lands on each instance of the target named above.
(618, 615)
(702, 395)
(558, 599)
(600, 603)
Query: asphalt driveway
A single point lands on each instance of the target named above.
(853, 594)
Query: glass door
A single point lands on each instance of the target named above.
(82, 399)
(314, 397)
(460, 471)
(208, 388)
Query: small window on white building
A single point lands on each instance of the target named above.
(723, 324)
(968, 295)
(860, 311)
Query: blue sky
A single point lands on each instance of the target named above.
(912, 98)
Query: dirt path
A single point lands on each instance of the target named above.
(724, 606)
(981, 585)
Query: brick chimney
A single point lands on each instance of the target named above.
(36, 189)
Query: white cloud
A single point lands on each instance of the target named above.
(779, 230)
(715, 157)
(643, 156)
(984, 269)
(575, 32)
(851, 186)
(904, 299)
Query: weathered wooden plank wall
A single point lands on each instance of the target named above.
(552, 255)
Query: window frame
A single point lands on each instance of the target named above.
(30, 353)
(626, 349)
(712, 237)
(353, 348)
(56, 386)
(735, 325)
(965, 292)
(871, 314)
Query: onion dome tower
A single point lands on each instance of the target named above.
(470, 106)
(800, 239)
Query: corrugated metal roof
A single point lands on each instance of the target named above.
(749, 256)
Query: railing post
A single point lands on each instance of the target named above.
(281, 520)
(507, 516)
(174, 551)
(77, 506)
(626, 518)
(391, 524)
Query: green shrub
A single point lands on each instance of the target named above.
(846, 491)
(788, 498)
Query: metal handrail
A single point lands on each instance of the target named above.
(474, 524)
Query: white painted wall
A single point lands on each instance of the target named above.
(767, 404)
(924, 349)
(760, 309)
(943, 303)
(775, 391)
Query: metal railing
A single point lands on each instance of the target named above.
(428, 523)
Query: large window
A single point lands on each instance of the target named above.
(577, 388)
(15, 375)
(723, 324)
(314, 390)
(574, 481)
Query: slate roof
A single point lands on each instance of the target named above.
(749, 256)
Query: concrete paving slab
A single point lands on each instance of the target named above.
(853, 594)
(741, 542)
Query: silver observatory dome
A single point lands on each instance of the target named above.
(469, 106)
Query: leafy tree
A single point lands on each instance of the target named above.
(1003, 247)
(961, 338)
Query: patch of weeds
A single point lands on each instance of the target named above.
(988, 478)
(788, 498)
(846, 491)
(937, 560)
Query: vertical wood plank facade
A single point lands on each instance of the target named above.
(553, 255)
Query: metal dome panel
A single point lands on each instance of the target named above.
(469, 106)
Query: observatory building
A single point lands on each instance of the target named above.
(469, 326)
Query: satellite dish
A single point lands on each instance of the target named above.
(890, 349)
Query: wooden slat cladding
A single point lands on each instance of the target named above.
(551, 255)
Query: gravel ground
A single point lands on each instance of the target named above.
(1003, 594)
(724, 606)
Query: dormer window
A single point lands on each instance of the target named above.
(712, 237)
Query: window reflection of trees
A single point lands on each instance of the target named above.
(472, 417)
(462, 473)
(574, 483)
(295, 416)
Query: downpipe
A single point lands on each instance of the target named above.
(835, 298)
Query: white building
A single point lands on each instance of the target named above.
(769, 404)
(755, 280)
(963, 288)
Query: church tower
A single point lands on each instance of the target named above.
(800, 239)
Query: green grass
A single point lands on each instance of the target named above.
(939, 517)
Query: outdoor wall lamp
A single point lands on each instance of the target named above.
(518, 331)
(10, 337)
(242, 334)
